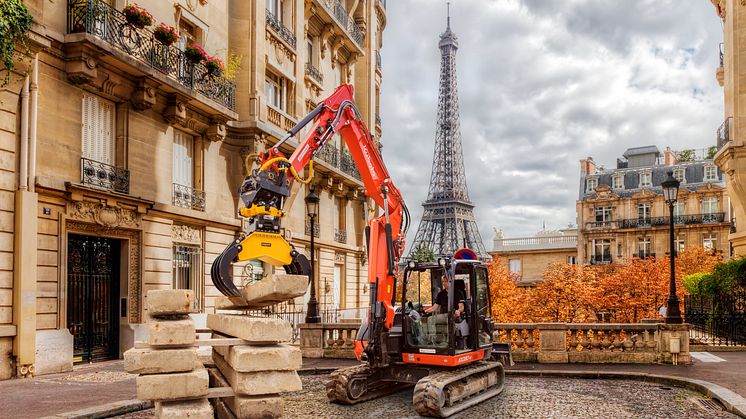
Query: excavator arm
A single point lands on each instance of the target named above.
(266, 191)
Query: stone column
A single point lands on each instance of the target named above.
(552, 343)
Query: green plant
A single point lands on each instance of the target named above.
(165, 34)
(194, 53)
(711, 151)
(686, 155)
(423, 254)
(15, 22)
(213, 64)
(137, 16)
(231, 63)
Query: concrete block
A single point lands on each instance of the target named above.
(244, 407)
(192, 409)
(258, 383)
(171, 330)
(270, 290)
(221, 410)
(173, 386)
(261, 358)
(165, 302)
(150, 361)
(54, 351)
(6, 358)
(252, 329)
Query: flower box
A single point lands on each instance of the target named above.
(165, 34)
(214, 65)
(194, 53)
(137, 16)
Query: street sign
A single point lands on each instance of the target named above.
(466, 254)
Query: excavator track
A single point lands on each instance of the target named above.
(346, 386)
(443, 394)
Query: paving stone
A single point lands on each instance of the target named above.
(171, 330)
(153, 361)
(166, 302)
(270, 290)
(261, 358)
(192, 409)
(257, 383)
(173, 386)
(252, 329)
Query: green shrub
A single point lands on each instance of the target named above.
(15, 22)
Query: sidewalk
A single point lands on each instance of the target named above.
(99, 386)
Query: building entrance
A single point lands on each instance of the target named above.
(93, 293)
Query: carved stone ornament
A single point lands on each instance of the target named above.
(186, 234)
(144, 96)
(82, 64)
(603, 193)
(216, 131)
(339, 258)
(325, 34)
(175, 111)
(134, 281)
(105, 216)
(281, 51)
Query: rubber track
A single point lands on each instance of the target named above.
(430, 392)
(336, 387)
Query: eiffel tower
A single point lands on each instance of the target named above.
(448, 222)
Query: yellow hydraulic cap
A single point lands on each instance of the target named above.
(255, 210)
(267, 247)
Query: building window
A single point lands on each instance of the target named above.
(254, 270)
(678, 174)
(709, 205)
(592, 184)
(275, 88)
(183, 158)
(276, 8)
(572, 260)
(645, 179)
(187, 273)
(617, 182)
(678, 244)
(643, 212)
(98, 129)
(603, 214)
(709, 241)
(643, 247)
(515, 266)
(309, 50)
(678, 212)
(601, 251)
(711, 173)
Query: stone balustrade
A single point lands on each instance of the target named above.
(279, 118)
(328, 340)
(594, 342)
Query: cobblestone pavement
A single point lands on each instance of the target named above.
(529, 398)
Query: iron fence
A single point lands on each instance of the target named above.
(717, 320)
(187, 272)
(600, 259)
(286, 34)
(314, 73)
(104, 176)
(643, 255)
(714, 217)
(347, 164)
(723, 133)
(329, 154)
(98, 18)
(189, 198)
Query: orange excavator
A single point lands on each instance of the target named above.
(431, 328)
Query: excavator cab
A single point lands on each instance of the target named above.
(457, 286)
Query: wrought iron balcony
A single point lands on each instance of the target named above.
(286, 34)
(643, 255)
(348, 165)
(600, 259)
(602, 225)
(715, 217)
(723, 134)
(108, 24)
(329, 154)
(378, 120)
(188, 198)
(338, 12)
(104, 176)
(722, 56)
(316, 229)
(314, 73)
(378, 60)
(341, 160)
(340, 236)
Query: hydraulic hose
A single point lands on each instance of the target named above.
(292, 169)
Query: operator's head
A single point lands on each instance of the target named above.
(445, 282)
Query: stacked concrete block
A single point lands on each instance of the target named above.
(170, 370)
(271, 290)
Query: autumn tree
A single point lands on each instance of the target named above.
(507, 303)
(564, 295)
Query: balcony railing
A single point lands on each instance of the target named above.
(108, 24)
(340, 236)
(602, 225)
(336, 10)
(378, 60)
(341, 160)
(348, 165)
(722, 57)
(279, 118)
(715, 217)
(104, 176)
(378, 120)
(314, 73)
(189, 198)
(316, 229)
(600, 259)
(286, 34)
(643, 255)
(723, 134)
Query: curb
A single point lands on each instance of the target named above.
(105, 411)
(734, 403)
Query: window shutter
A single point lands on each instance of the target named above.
(87, 134)
(107, 132)
(183, 149)
(98, 129)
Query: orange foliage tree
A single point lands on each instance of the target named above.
(564, 295)
(508, 305)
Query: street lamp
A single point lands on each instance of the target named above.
(312, 208)
(670, 193)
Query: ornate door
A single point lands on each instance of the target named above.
(93, 292)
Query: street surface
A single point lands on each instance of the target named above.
(529, 398)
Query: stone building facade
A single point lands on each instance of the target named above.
(622, 213)
(529, 257)
(120, 161)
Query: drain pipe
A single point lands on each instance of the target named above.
(32, 130)
(23, 181)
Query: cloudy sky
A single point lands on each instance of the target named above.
(543, 84)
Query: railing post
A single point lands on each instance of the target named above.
(552, 343)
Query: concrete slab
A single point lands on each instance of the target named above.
(253, 329)
(167, 302)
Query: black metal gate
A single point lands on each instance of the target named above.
(93, 292)
(716, 320)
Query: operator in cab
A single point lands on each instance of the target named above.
(441, 300)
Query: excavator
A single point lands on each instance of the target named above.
(429, 326)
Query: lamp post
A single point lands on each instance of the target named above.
(670, 193)
(312, 208)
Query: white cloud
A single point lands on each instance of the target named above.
(543, 84)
